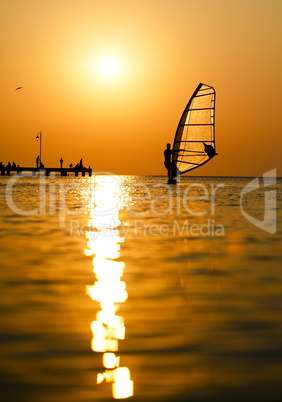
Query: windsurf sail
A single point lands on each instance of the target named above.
(194, 142)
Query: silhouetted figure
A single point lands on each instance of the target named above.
(37, 161)
(14, 165)
(1, 164)
(209, 149)
(167, 162)
(80, 163)
(61, 162)
(71, 165)
(9, 164)
(172, 170)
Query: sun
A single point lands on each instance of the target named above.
(108, 67)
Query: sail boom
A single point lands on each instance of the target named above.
(197, 152)
(201, 154)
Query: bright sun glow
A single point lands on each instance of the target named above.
(108, 67)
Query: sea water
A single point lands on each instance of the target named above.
(124, 286)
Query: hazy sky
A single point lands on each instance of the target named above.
(119, 115)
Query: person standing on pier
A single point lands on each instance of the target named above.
(37, 161)
(61, 162)
(80, 163)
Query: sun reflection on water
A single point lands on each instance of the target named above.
(109, 290)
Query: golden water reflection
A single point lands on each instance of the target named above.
(109, 290)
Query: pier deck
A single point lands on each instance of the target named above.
(6, 170)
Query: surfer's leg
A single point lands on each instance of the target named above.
(169, 172)
(168, 168)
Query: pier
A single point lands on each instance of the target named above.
(6, 170)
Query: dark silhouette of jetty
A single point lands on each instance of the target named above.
(47, 171)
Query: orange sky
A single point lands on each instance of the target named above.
(162, 50)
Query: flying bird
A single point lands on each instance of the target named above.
(18, 88)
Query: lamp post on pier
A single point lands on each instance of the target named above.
(39, 137)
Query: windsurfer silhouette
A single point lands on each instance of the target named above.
(169, 164)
